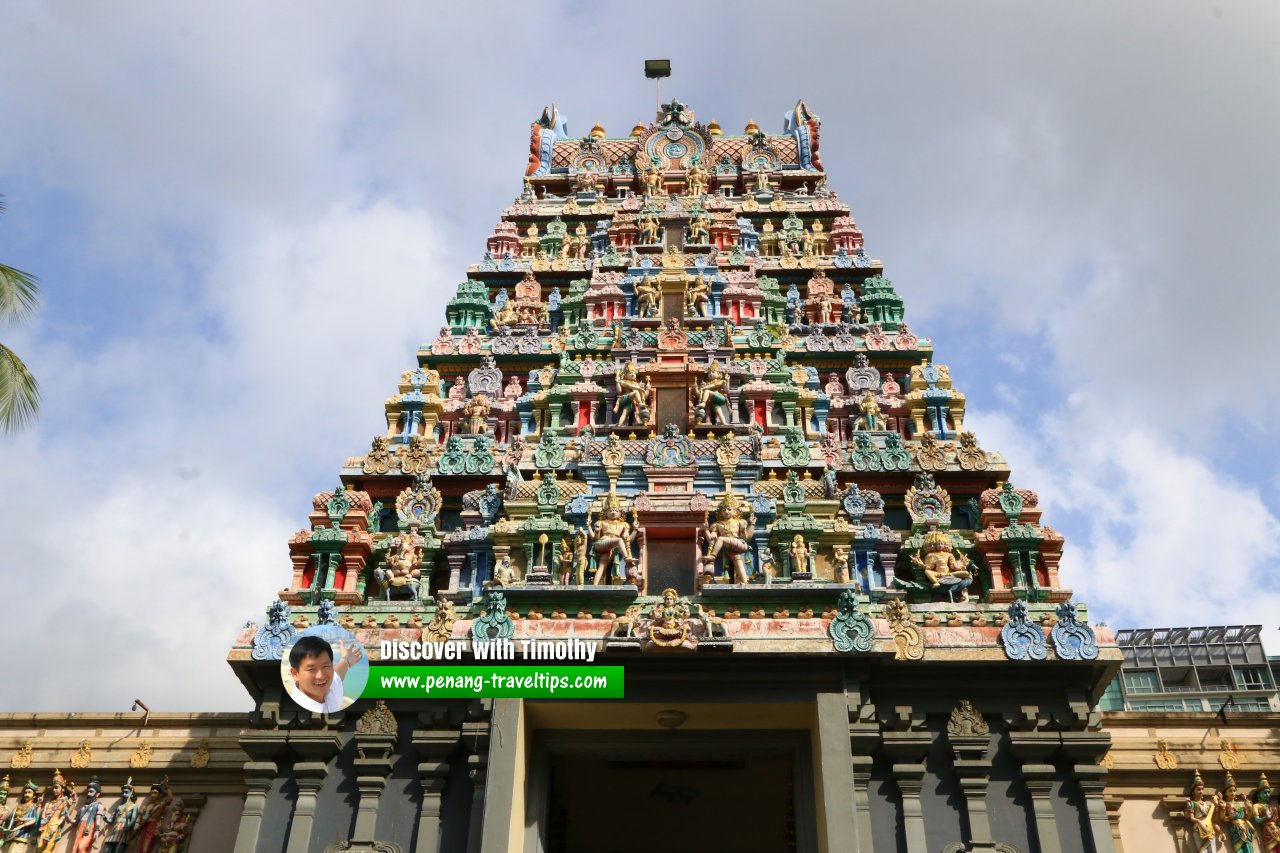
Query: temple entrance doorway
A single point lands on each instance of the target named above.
(725, 797)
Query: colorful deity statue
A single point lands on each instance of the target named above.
(648, 224)
(21, 822)
(507, 315)
(564, 562)
(834, 387)
(713, 396)
(799, 553)
(699, 227)
(632, 404)
(696, 178)
(612, 538)
(57, 814)
(1200, 813)
(648, 294)
(728, 535)
(669, 621)
(586, 181)
(1233, 819)
(458, 390)
(475, 414)
(504, 571)
(941, 565)
(869, 417)
(762, 182)
(173, 835)
(158, 813)
(121, 820)
(402, 569)
(1263, 815)
(87, 833)
(697, 299)
(653, 180)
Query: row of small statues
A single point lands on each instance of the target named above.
(1232, 821)
(40, 820)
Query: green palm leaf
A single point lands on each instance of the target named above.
(19, 391)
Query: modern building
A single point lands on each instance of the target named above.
(1193, 669)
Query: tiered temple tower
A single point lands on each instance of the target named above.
(676, 410)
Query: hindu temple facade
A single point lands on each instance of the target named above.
(676, 410)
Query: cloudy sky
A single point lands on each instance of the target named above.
(246, 218)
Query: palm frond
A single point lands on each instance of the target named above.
(19, 293)
(19, 392)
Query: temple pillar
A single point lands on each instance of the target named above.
(315, 749)
(259, 773)
(1033, 749)
(1092, 779)
(475, 736)
(372, 765)
(433, 745)
(504, 755)
(907, 747)
(970, 739)
(836, 819)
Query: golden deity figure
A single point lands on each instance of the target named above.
(697, 297)
(475, 414)
(700, 228)
(940, 562)
(402, 568)
(586, 181)
(648, 225)
(648, 294)
(653, 180)
(713, 396)
(799, 553)
(632, 403)
(869, 417)
(768, 239)
(1263, 815)
(728, 534)
(580, 557)
(1200, 812)
(762, 182)
(612, 537)
(696, 178)
(504, 316)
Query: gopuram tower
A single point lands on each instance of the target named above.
(676, 411)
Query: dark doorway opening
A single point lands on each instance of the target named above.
(724, 804)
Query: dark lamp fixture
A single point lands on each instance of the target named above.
(656, 69)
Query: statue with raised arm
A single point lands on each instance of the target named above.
(648, 295)
(611, 536)
(727, 535)
(697, 298)
(713, 396)
(632, 403)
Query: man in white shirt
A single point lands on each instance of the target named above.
(317, 680)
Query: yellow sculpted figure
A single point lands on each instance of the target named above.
(611, 542)
(504, 316)
(697, 178)
(941, 561)
(633, 396)
(799, 552)
(475, 413)
(728, 534)
(697, 297)
(648, 225)
(699, 227)
(653, 180)
(870, 417)
(648, 295)
(402, 565)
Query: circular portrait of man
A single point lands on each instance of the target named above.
(325, 669)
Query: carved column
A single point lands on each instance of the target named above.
(970, 739)
(864, 740)
(475, 737)
(315, 749)
(433, 745)
(1087, 748)
(375, 739)
(907, 744)
(1033, 748)
(259, 772)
